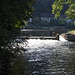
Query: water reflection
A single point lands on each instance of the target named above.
(50, 57)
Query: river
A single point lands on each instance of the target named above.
(50, 57)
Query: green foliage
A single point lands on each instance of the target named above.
(36, 21)
(39, 22)
(53, 22)
(58, 6)
(25, 23)
(12, 14)
(71, 12)
(61, 21)
(58, 23)
(46, 23)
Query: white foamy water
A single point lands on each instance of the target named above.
(50, 57)
(61, 38)
(40, 45)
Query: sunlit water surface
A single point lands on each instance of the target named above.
(50, 57)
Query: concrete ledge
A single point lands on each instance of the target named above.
(37, 37)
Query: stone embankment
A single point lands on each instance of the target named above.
(68, 36)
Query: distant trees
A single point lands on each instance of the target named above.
(58, 6)
(58, 23)
(38, 22)
(43, 6)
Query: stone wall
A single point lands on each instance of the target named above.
(68, 36)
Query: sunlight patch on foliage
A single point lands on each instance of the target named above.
(58, 6)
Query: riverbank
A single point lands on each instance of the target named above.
(70, 36)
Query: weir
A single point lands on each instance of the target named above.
(41, 33)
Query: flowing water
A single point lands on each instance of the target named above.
(50, 57)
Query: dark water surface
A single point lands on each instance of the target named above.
(50, 57)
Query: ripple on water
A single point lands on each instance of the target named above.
(50, 57)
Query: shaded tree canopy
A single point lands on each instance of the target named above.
(43, 6)
(12, 14)
(58, 6)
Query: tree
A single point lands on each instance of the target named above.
(43, 6)
(58, 6)
(36, 21)
(12, 14)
